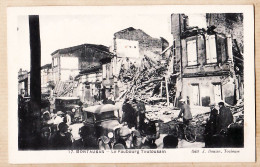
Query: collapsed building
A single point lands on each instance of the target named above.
(204, 64)
(138, 55)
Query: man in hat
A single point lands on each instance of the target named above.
(62, 139)
(211, 126)
(224, 119)
(185, 111)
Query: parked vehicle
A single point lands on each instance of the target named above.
(71, 104)
(101, 126)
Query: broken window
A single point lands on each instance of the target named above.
(192, 52)
(211, 52)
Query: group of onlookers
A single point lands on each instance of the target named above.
(221, 131)
(144, 131)
(55, 133)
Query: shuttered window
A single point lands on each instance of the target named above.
(211, 52)
(195, 99)
(174, 52)
(192, 53)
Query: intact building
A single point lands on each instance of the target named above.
(23, 83)
(67, 63)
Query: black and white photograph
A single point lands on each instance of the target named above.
(152, 80)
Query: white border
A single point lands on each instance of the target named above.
(247, 154)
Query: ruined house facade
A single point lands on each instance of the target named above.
(204, 64)
(135, 43)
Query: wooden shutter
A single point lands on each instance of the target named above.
(211, 52)
(192, 52)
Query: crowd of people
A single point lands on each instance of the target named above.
(137, 131)
(55, 132)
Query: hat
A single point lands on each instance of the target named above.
(46, 112)
(221, 103)
(182, 100)
(119, 146)
(60, 113)
(46, 129)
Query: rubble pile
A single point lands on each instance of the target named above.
(238, 112)
(145, 80)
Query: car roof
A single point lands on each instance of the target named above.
(100, 108)
(66, 98)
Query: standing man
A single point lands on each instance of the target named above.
(140, 114)
(128, 114)
(224, 119)
(211, 126)
(62, 139)
(185, 111)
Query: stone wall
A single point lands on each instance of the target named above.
(146, 42)
(228, 23)
(206, 90)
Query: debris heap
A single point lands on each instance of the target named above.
(144, 81)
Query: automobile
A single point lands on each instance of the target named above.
(71, 105)
(101, 126)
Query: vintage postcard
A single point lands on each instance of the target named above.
(131, 84)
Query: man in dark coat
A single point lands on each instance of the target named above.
(140, 116)
(128, 114)
(211, 126)
(62, 139)
(224, 119)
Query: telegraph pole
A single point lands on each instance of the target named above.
(35, 73)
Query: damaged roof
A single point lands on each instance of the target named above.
(132, 29)
(100, 48)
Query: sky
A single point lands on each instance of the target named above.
(61, 31)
